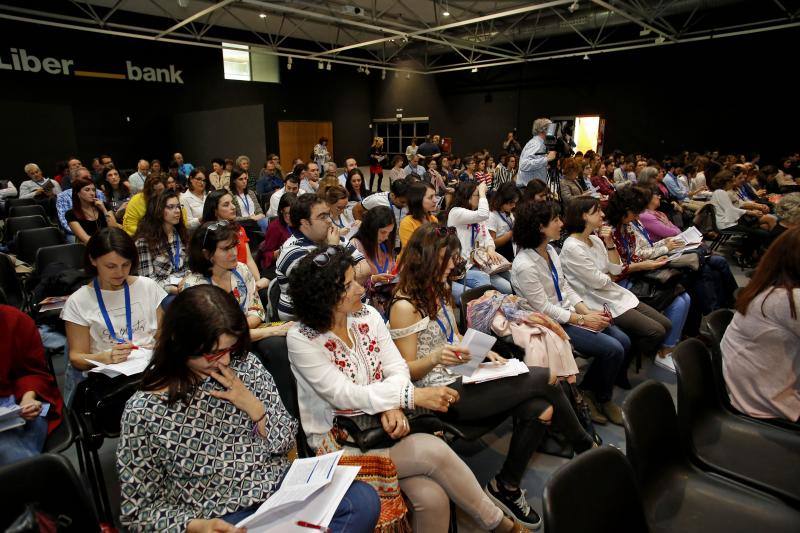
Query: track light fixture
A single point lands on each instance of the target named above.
(320, 65)
(474, 70)
(573, 7)
(366, 71)
(660, 39)
(328, 66)
(586, 57)
(289, 63)
(262, 15)
(383, 73)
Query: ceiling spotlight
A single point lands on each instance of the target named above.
(383, 73)
(408, 76)
(586, 57)
(289, 63)
(404, 39)
(445, 13)
(262, 15)
(366, 71)
(328, 66)
(644, 32)
(474, 69)
(183, 3)
(360, 69)
(320, 65)
(660, 39)
(573, 7)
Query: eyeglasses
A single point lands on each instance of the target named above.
(324, 258)
(443, 231)
(172, 207)
(216, 356)
(214, 226)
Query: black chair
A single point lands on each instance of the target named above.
(615, 504)
(70, 255)
(760, 455)
(97, 407)
(11, 285)
(715, 327)
(50, 481)
(678, 496)
(720, 236)
(30, 241)
(17, 224)
(16, 202)
(27, 210)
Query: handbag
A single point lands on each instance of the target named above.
(657, 290)
(366, 432)
(480, 257)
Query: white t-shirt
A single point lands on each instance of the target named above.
(146, 295)
(499, 226)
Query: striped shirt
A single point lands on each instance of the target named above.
(296, 247)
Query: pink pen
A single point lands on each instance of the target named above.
(313, 526)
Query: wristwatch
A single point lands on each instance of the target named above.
(580, 320)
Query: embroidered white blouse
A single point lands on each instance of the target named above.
(371, 377)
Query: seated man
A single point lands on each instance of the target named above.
(349, 164)
(26, 381)
(413, 166)
(395, 199)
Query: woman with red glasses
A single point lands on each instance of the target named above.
(205, 441)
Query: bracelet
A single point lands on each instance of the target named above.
(255, 424)
(611, 248)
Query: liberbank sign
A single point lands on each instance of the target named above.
(20, 60)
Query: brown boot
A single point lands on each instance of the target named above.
(613, 412)
(597, 416)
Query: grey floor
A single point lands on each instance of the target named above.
(484, 457)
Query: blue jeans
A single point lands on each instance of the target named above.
(607, 349)
(677, 312)
(357, 512)
(477, 278)
(23, 442)
(263, 223)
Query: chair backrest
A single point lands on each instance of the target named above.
(651, 430)
(30, 241)
(50, 481)
(696, 392)
(14, 202)
(9, 282)
(99, 403)
(467, 297)
(17, 224)
(70, 255)
(26, 210)
(716, 324)
(615, 504)
(273, 294)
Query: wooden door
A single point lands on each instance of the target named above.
(298, 138)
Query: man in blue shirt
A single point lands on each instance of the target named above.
(535, 157)
(184, 169)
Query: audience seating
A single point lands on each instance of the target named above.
(678, 496)
(722, 236)
(30, 241)
(15, 202)
(614, 505)
(70, 255)
(51, 482)
(17, 224)
(766, 457)
(273, 294)
(27, 210)
(11, 284)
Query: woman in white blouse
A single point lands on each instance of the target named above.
(589, 264)
(538, 277)
(469, 214)
(194, 197)
(346, 364)
(732, 217)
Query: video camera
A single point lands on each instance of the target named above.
(555, 142)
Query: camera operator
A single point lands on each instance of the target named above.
(535, 157)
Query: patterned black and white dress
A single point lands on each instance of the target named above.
(181, 462)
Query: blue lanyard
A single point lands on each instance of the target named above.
(340, 224)
(474, 228)
(508, 222)
(175, 256)
(246, 203)
(385, 263)
(554, 275)
(240, 283)
(107, 319)
(624, 239)
(645, 234)
(448, 336)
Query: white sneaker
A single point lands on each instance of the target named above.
(666, 363)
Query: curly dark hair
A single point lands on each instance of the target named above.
(576, 208)
(533, 188)
(316, 290)
(191, 327)
(528, 217)
(626, 199)
(420, 267)
(151, 227)
(204, 244)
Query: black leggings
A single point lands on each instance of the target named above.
(525, 398)
(375, 184)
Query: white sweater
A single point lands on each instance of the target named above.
(463, 219)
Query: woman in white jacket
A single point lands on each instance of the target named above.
(469, 214)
